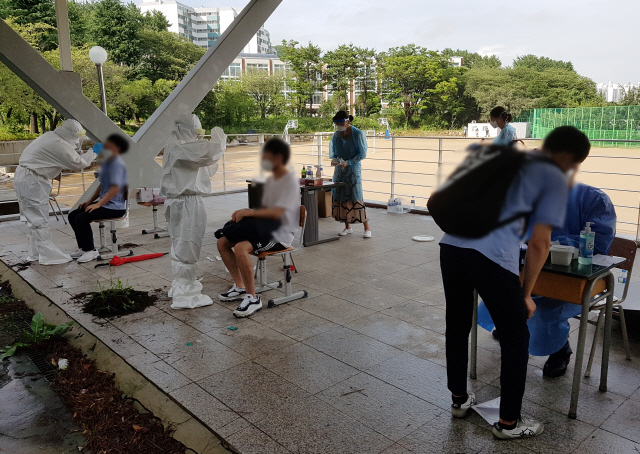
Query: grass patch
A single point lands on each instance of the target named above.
(115, 299)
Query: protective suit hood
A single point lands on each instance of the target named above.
(70, 131)
(188, 127)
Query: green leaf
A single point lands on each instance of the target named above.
(37, 323)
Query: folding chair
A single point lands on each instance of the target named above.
(53, 197)
(626, 249)
(106, 252)
(262, 284)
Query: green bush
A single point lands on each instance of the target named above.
(9, 134)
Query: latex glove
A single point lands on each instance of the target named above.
(344, 164)
(335, 162)
(97, 148)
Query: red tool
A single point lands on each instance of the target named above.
(117, 261)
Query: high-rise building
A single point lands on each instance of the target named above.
(615, 92)
(204, 25)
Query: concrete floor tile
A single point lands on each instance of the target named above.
(387, 410)
(334, 309)
(351, 347)
(253, 441)
(321, 281)
(390, 330)
(396, 286)
(601, 441)
(204, 406)
(293, 322)
(625, 421)
(158, 372)
(233, 427)
(420, 314)
(306, 367)
(370, 298)
(396, 449)
(419, 275)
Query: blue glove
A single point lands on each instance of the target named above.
(97, 148)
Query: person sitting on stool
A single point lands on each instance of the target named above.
(549, 326)
(108, 200)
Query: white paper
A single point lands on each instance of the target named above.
(489, 410)
(607, 260)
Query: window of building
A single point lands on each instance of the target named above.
(258, 67)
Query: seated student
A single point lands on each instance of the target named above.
(549, 325)
(108, 200)
(270, 228)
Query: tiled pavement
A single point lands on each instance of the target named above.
(357, 367)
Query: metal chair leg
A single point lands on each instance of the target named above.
(60, 211)
(53, 209)
(587, 373)
(625, 337)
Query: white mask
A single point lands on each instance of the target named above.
(106, 154)
(341, 128)
(266, 165)
(493, 124)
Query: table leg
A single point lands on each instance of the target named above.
(606, 343)
(474, 338)
(310, 202)
(582, 337)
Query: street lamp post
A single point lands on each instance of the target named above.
(98, 56)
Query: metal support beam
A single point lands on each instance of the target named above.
(64, 35)
(67, 98)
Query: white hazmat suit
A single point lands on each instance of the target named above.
(188, 164)
(39, 163)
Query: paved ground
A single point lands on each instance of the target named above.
(358, 367)
(33, 418)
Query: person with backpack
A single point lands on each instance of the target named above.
(480, 251)
(500, 118)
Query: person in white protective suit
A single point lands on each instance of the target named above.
(189, 162)
(39, 163)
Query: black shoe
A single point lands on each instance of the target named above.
(556, 365)
(235, 294)
(494, 333)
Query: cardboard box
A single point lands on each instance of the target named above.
(149, 195)
(324, 204)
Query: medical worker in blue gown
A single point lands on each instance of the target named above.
(549, 325)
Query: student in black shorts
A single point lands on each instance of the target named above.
(270, 228)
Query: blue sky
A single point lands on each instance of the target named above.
(599, 37)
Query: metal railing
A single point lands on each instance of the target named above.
(400, 166)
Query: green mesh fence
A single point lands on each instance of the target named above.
(602, 123)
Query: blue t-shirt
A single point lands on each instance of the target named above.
(540, 189)
(113, 173)
(506, 136)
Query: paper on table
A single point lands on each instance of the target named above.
(607, 260)
(489, 410)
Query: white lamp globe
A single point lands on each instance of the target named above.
(97, 55)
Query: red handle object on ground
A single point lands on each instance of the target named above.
(117, 261)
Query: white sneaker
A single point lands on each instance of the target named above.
(367, 234)
(460, 411)
(235, 294)
(525, 428)
(76, 255)
(345, 232)
(88, 256)
(248, 306)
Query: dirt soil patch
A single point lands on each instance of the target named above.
(115, 302)
(111, 422)
(128, 246)
(13, 314)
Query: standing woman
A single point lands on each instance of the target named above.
(500, 118)
(347, 148)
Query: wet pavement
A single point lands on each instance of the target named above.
(357, 367)
(33, 419)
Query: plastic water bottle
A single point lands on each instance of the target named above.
(413, 203)
(622, 279)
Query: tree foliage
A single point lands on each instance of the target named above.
(116, 27)
(306, 65)
(541, 63)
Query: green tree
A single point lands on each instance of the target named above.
(366, 82)
(156, 21)
(341, 70)
(473, 59)
(631, 97)
(31, 11)
(116, 27)
(80, 19)
(541, 63)
(307, 69)
(416, 79)
(165, 55)
(266, 91)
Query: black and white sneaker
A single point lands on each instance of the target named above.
(235, 294)
(248, 307)
(461, 410)
(525, 428)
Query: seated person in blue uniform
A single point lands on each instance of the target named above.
(549, 325)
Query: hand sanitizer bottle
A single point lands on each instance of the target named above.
(587, 240)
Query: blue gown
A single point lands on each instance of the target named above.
(549, 325)
(348, 200)
(506, 136)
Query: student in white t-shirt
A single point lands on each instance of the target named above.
(270, 228)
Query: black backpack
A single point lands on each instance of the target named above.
(470, 202)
